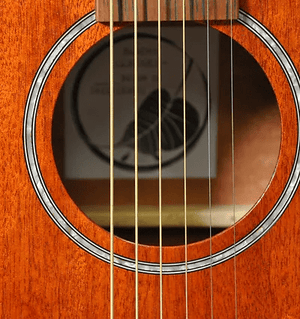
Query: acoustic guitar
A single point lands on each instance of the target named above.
(56, 262)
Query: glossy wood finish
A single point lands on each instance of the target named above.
(45, 275)
(170, 10)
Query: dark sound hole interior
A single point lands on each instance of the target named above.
(81, 134)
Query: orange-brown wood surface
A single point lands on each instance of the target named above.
(45, 275)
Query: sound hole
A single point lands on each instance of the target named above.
(81, 132)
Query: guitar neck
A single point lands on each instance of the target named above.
(171, 10)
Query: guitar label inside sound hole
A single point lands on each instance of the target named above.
(83, 108)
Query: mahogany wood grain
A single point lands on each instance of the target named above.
(45, 275)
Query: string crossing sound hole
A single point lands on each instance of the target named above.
(81, 134)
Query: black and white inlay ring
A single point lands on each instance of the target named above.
(81, 240)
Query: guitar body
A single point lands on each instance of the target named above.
(45, 274)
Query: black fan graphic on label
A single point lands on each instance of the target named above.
(172, 128)
(172, 133)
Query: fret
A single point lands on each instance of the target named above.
(171, 10)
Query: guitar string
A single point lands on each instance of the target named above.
(136, 179)
(160, 158)
(111, 166)
(233, 157)
(209, 155)
(184, 157)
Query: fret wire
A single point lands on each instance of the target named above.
(136, 161)
(159, 157)
(184, 155)
(111, 173)
(233, 156)
(209, 154)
